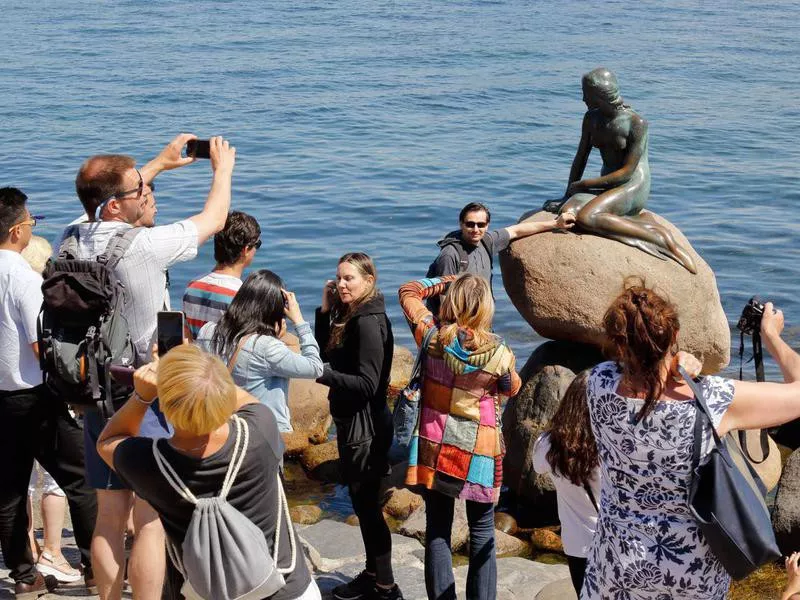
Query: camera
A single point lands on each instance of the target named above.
(750, 321)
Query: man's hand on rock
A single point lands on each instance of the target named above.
(565, 220)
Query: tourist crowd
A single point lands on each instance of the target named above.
(197, 431)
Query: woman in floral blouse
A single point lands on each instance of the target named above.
(647, 544)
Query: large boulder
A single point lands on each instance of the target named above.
(402, 364)
(322, 462)
(562, 284)
(524, 418)
(308, 405)
(786, 514)
(402, 502)
(459, 534)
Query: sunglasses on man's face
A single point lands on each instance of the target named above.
(139, 190)
(474, 224)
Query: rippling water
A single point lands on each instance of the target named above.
(368, 124)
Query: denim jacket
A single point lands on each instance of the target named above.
(265, 364)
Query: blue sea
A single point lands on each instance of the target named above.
(366, 125)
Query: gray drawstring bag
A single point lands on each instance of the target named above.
(224, 556)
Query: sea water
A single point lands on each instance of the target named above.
(367, 124)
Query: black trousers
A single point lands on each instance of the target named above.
(34, 424)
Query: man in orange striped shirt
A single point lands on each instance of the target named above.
(208, 297)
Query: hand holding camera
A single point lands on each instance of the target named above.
(292, 307)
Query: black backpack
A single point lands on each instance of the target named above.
(82, 327)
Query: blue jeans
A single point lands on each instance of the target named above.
(482, 573)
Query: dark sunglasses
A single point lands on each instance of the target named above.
(119, 196)
(257, 245)
(474, 224)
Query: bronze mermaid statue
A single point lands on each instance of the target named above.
(611, 205)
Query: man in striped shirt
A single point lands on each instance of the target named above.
(207, 298)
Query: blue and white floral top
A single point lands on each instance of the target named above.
(647, 544)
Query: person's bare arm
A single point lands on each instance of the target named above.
(212, 219)
(126, 421)
(761, 405)
(521, 230)
(169, 158)
(35, 348)
(581, 155)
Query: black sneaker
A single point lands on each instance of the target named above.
(393, 593)
(362, 586)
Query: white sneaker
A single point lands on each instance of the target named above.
(60, 569)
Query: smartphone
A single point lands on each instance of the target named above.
(198, 148)
(170, 330)
(122, 374)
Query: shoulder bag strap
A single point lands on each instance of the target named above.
(591, 496)
(702, 408)
(235, 355)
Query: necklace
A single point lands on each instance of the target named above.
(195, 449)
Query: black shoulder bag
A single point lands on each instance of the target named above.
(726, 496)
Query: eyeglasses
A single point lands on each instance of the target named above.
(257, 245)
(121, 195)
(474, 224)
(31, 221)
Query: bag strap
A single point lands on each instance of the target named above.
(239, 451)
(69, 244)
(118, 246)
(591, 496)
(700, 403)
(283, 503)
(416, 370)
(758, 358)
(235, 355)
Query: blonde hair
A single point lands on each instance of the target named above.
(468, 304)
(37, 252)
(195, 390)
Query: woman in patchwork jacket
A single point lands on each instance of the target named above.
(457, 449)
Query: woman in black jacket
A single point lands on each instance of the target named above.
(355, 338)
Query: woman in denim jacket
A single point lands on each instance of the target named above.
(248, 339)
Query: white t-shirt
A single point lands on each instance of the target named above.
(20, 303)
(142, 269)
(575, 509)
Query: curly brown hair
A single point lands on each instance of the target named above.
(573, 450)
(642, 328)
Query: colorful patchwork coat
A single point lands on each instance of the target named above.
(457, 448)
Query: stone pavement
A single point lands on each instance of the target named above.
(336, 553)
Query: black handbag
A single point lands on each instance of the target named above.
(727, 498)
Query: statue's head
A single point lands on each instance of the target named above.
(600, 86)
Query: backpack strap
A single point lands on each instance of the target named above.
(69, 243)
(118, 246)
(180, 487)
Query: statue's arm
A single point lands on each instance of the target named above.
(582, 154)
(637, 137)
